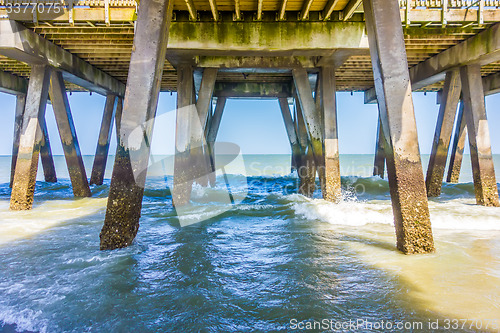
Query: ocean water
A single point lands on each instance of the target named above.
(274, 261)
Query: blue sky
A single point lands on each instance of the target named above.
(255, 125)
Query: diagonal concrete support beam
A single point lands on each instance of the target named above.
(101, 154)
(444, 127)
(18, 124)
(211, 134)
(312, 118)
(290, 129)
(23, 187)
(306, 168)
(483, 170)
(20, 43)
(393, 88)
(67, 132)
(457, 149)
(49, 170)
(139, 109)
(379, 162)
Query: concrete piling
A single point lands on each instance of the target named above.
(101, 154)
(139, 108)
(457, 149)
(212, 130)
(306, 170)
(67, 133)
(393, 89)
(18, 123)
(332, 189)
(290, 130)
(485, 185)
(379, 162)
(444, 127)
(30, 142)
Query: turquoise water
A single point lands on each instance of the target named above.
(276, 261)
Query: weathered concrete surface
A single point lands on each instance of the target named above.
(67, 133)
(444, 127)
(118, 117)
(491, 84)
(333, 188)
(139, 108)
(312, 119)
(12, 84)
(18, 42)
(483, 170)
(211, 134)
(101, 154)
(290, 131)
(457, 149)
(18, 123)
(23, 188)
(185, 166)
(253, 89)
(263, 38)
(392, 84)
(203, 106)
(306, 169)
(481, 49)
(49, 170)
(379, 162)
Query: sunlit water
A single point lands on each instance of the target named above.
(257, 266)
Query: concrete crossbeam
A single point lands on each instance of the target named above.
(12, 84)
(481, 49)
(253, 89)
(20, 43)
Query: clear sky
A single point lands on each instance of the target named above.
(255, 125)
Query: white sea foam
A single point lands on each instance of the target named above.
(458, 214)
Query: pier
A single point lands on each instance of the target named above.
(300, 53)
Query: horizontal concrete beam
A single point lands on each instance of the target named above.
(253, 89)
(19, 43)
(12, 84)
(491, 84)
(255, 62)
(481, 49)
(262, 39)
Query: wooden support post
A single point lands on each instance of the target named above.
(67, 132)
(212, 131)
(312, 119)
(101, 154)
(18, 123)
(393, 88)
(290, 129)
(485, 184)
(379, 163)
(333, 189)
(49, 170)
(139, 109)
(444, 127)
(23, 188)
(306, 169)
(457, 149)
